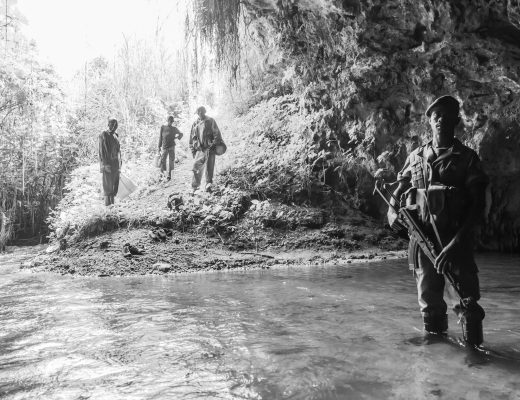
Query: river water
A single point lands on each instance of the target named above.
(332, 332)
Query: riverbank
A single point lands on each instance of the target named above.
(177, 231)
(104, 255)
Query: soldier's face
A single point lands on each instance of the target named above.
(443, 121)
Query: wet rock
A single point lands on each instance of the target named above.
(52, 248)
(162, 267)
(28, 264)
(314, 219)
(130, 250)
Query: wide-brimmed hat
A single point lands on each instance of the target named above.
(220, 148)
(447, 100)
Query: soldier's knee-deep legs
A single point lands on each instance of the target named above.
(470, 313)
(430, 291)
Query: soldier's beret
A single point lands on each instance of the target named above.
(449, 101)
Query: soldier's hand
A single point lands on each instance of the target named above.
(444, 261)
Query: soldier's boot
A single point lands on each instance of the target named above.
(107, 201)
(470, 315)
(435, 323)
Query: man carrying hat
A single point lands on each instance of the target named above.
(445, 181)
(204, 136)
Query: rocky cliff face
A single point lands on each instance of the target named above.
(470, 49)
(408, 53)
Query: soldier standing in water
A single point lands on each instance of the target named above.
(444, 178)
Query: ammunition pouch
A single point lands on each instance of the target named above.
(444, 204)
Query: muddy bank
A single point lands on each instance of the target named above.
(179, 231)
(105, 255)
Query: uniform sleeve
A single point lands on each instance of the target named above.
(406, 173)
(160, 137)
(476, 174)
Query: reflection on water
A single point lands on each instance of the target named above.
(342, 332)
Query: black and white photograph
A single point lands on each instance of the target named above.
(259, 199)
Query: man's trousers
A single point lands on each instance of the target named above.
(168, 153)
(204, 161)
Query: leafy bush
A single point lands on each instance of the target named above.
(270, 145)
(211, 213)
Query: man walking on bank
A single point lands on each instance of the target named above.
(110, 161)
(204, 137)
(167, 137)
(444, 179)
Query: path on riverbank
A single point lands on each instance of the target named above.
(212, 231)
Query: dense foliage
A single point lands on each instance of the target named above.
(140, 87)
(49, 127)
(35, 145)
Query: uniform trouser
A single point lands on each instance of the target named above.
(204, 161)
(168, 153)
(430, 286)
(110, 182)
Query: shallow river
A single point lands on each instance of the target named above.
(335, 332)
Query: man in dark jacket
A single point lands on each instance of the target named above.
(445, 180)
(204, 136)
(167, 137)
(110, 161)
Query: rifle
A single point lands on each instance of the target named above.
(470, 312)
